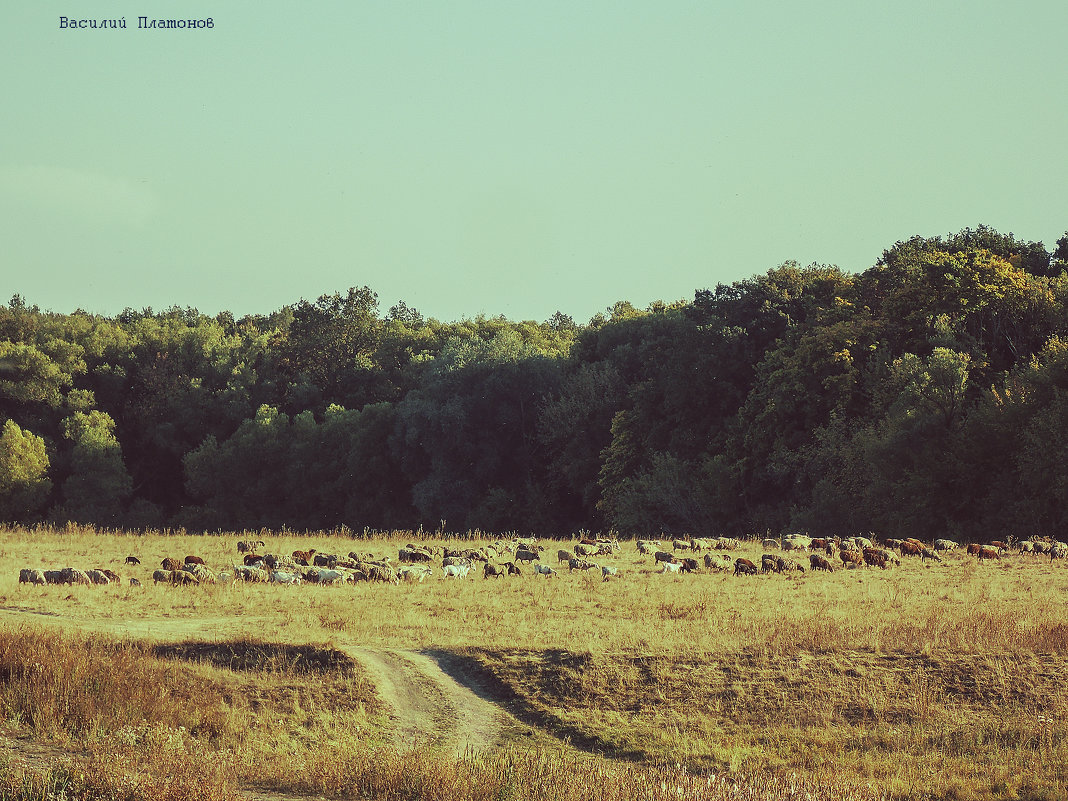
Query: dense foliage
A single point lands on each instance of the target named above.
(927, 395)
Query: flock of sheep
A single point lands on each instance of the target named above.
(504, 558)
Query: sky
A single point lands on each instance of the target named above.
(507, 158)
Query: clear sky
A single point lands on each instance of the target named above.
(512, 158)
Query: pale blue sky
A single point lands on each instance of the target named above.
(510, 158)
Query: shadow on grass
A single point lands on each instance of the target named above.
(264, 657)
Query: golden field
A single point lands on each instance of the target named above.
(929, 680)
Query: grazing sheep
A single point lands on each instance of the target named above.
(680, 545)
(910, 548)
(986, 552)
(927, 553)
(718, 561)
(945, 545)
(161, 575)
(249, 546)
(72, 575)
(455, 571)
(744, 567)
(97, 577)
(513, 569)
(874, 558)
(193, 560)
(282, 577)
(769, 563)
(490, 570)
(851, 558)
(688, 565)
(670, 567)
(304, 558)
(1058, 552)
(817, 562)
(184, 578)
(414, 572)
(134, 582)
(663, 556)
(771, 543)
(796, 542)
(564, 556)
(544, 570)
(132, 560)
(609, 572)
(524, 555)
(31, 576)
(578, 564)
(170, 564)
(973, 548)
(411, 554)
(585, 549)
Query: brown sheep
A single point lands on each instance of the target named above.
(851, 558)
(513, 569)
(973, 548)
(817, 562)
(490, 570)
(194, 560)
(744, 567)
(688, 565)
(171, 564)
(986, 552)
(304, 557)
(874, 558)
(910, 548)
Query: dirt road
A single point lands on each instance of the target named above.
(429, 706)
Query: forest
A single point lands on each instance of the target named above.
(925, 396)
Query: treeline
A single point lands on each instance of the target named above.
(926, 396)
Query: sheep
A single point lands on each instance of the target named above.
(579, 564)
(544, 570)
(513, 569)
(851, 558)
(688, 565)
(768, 542)
(719, 561)
(769, 563)
(680, 545)
(796, 542)
(817, 562)
(564, 556)
(609, 572)
(184, 578)
(304, 558)
(909, 548)
(132, 560)
(97, 577)
(945, 545)
(927, 553)
(134, 582)
(161, 575)
(987, 552)
(411, 554)
(490, 570)
(455, 571)
(523, 555)
(170, 564)
(1058, 552)
(645, 547)
(744, 567)
(249, 546)
(670, 567)
(72, 575)
(282, 577)
(414, 572)
(193, 560)
(31, 576)
(663, 556)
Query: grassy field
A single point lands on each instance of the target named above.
(933, 680)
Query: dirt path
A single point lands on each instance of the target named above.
(430, 706)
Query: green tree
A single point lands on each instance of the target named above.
(24, 483)
(98, 485)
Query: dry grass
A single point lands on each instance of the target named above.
(928, 681)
